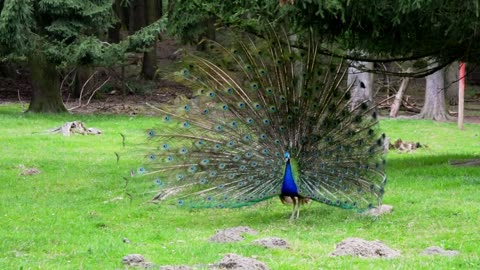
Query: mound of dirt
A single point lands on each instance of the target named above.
(237, 262)
(363, 248)
(136, 260)
(231, 234)
(440, 251)
(271, 242)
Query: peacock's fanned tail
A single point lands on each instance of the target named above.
(226, 146)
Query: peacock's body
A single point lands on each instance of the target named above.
(270, 120)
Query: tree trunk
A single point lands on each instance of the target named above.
(451, 83)
(434, 107)
(170, 7)
(159, 8)
(136, 16)
(149, 66)
(46, 96)
(362, 84)
(114, 31)
(125, 16)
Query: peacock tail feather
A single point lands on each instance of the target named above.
(226, 146)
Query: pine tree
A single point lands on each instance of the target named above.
(51, 35)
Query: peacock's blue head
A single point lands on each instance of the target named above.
(287, 156)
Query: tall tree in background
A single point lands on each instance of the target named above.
(153, 12)
(434, 106)
(136, 15)
(361, 83)
(451, 82)
(52, 35)
(119, 11)
(46, 33)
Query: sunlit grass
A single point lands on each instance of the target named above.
(75, 213)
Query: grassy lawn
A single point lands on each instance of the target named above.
(75, 213)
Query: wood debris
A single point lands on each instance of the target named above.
(408, 147)
(75, 127)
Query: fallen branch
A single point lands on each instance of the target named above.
(412, 107)
(91, 94)
(399, 96)
(83, 88)
(64, 79)
(20, 100)
(98, 88)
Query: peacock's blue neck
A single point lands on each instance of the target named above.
(289, 187)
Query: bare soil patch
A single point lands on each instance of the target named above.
(271, 242)
(237, 262)
(136, 260)
(365, 249)
(28, 170)
(234, 234)
(440, 251)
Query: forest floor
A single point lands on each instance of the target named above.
(19, 91)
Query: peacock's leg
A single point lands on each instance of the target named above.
(298, 209)
(294, 207)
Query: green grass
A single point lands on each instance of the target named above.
(74, 214)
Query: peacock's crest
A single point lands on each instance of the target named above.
(269, 119)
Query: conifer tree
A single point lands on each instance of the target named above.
(51, 35)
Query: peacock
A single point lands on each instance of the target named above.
(270, 117)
